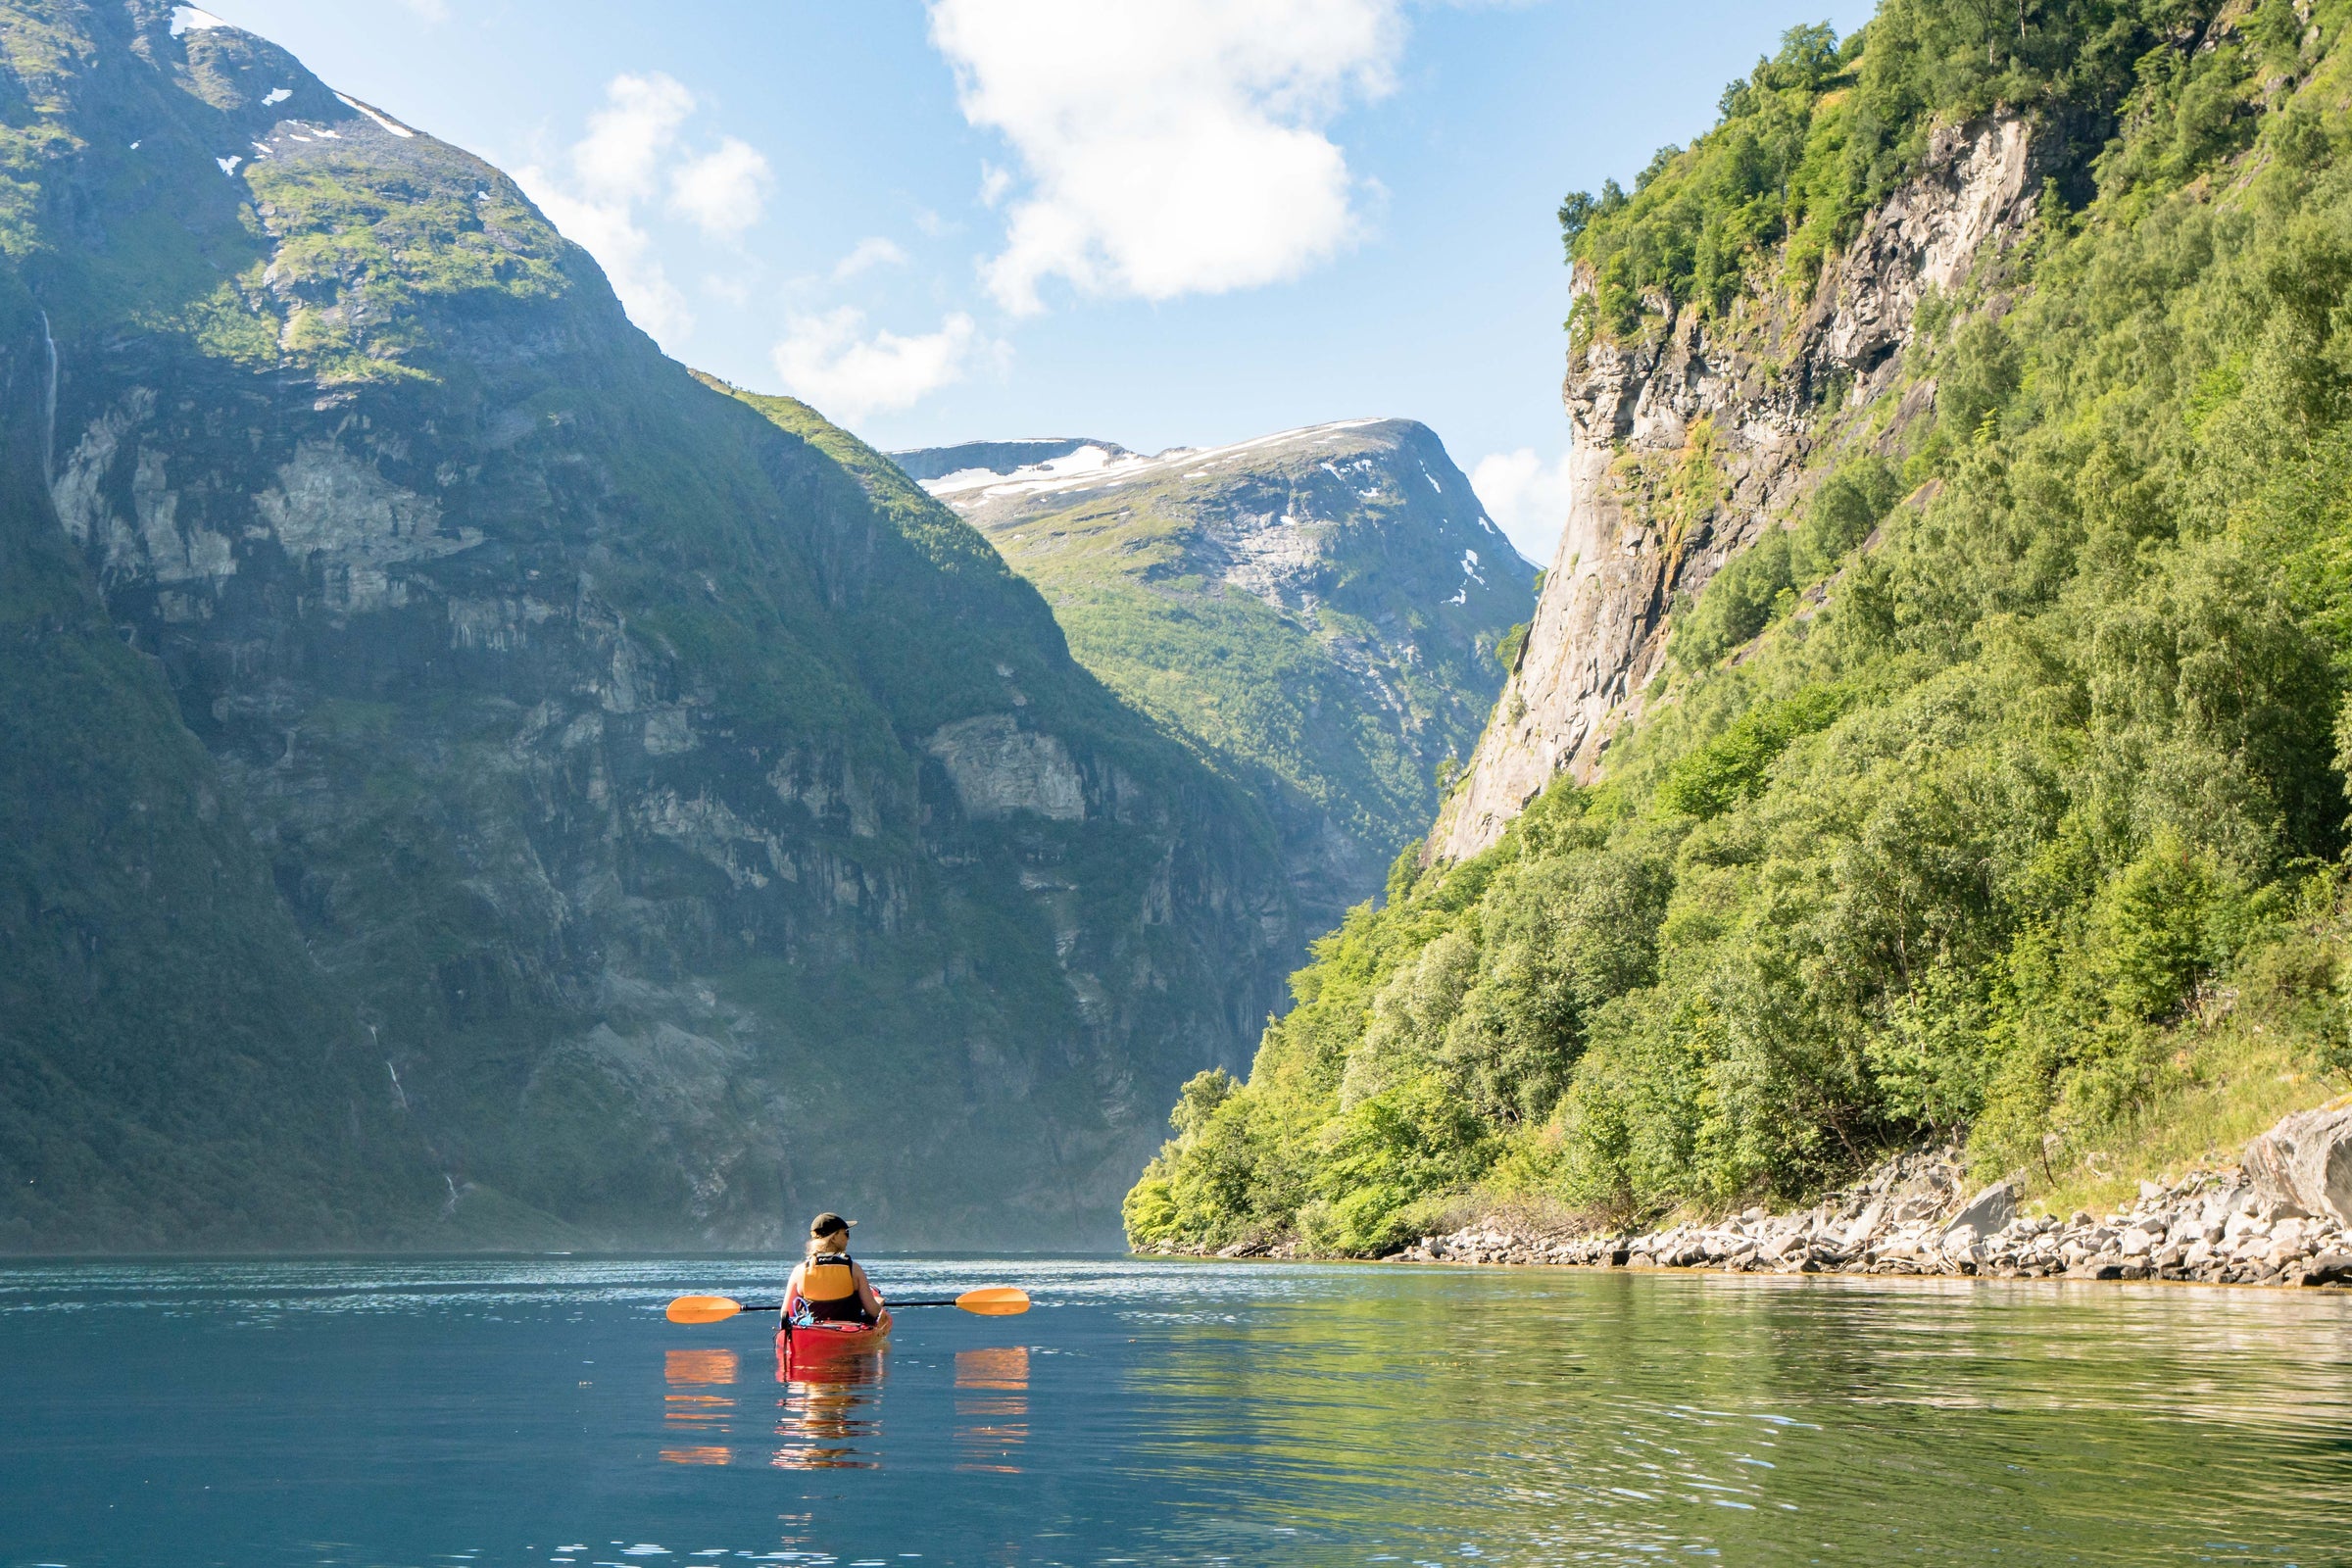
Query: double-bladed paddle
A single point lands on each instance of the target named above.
(995, 1300)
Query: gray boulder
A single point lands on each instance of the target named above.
(2306, 1162)
(2330, 1268)
(1987, 1212)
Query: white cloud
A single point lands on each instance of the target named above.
(1525, 497)
(825, 360)
(620, 156)
(867, 254)
(1171, 148)
(722, 192)
(735, 289)
(631, 156)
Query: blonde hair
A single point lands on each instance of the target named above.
(838, 1241)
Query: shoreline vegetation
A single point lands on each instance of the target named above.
(1992, 798)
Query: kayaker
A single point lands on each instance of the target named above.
(829, 1286)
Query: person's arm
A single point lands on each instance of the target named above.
(867, 1297)
(792, 1289)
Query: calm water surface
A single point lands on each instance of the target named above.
(543, 1412)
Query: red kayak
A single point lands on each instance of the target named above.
(827, 1342)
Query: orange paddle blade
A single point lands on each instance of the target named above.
(704, 1308)
(997, 1301)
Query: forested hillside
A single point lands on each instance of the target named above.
(1996, 788)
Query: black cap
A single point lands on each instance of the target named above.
(829, 1224)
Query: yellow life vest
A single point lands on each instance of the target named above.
(828, 1277)
(829, 1289)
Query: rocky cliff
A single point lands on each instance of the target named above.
(576, 801)
(1692, 440)
(1318, 610)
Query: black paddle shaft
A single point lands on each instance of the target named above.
(945, 1301)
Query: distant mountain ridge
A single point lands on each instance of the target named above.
(994, 457)
(1316, 608)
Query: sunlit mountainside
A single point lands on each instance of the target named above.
(1931, 727)
(1317, 611)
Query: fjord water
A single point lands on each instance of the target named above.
(494, 1412)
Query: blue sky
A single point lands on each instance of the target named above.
(1173, 223)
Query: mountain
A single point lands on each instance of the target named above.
(1933, 724)
(1317, 611)
(472, 781)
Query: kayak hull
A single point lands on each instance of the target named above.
(830, 1342)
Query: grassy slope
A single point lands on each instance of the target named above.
(2033, 831)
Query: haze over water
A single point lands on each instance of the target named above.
(542, 1412)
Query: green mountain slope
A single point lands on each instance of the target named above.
(1318, 611)
(1994, 785)
(660, 818)
(173, 1069)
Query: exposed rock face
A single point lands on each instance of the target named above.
(1319, 607)
(1647, 418)
(684, 821)
(999, 769)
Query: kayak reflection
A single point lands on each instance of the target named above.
(992, 1408)
(830, 1412)
(689, 1410)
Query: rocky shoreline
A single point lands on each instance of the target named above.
(2281, 1217)
(2214, 1228)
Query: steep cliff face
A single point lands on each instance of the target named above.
(683, 820)
(1317, 609)
(1688, 444)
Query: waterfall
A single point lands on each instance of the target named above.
(49, 409)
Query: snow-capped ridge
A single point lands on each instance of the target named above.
(383, 120)
(194, 18)
(1090, 466)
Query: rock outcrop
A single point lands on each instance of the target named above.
(2306, 1162)
(1691, 440)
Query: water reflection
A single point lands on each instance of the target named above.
(830, 1413)
(992, 1408)
(696, 1370)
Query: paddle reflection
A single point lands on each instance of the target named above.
(992, 1408)
(830, 1417)
(684, 1406)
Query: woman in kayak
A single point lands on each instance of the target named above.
(829, 1286)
